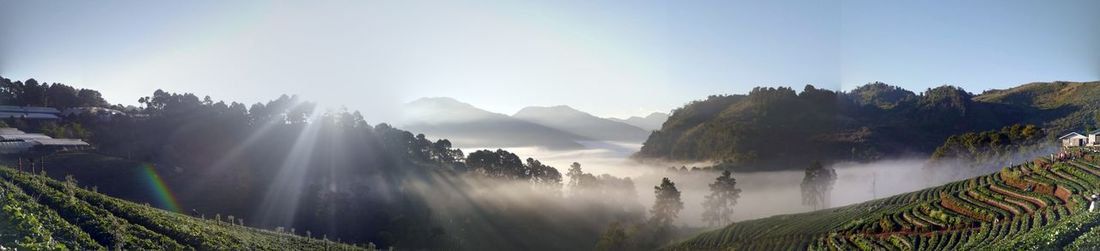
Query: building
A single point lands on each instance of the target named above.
(99, 112)
(29, 112)
(15, 141)
(15, 147)
(22, 136)
(1074, 139)
(1094, 138)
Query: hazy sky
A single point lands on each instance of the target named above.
(611, 58)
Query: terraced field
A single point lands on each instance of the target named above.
(1040, 205)
(40, 213)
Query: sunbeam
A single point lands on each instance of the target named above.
(280, 202)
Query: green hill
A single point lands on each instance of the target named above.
(1079, 103)
(779, 128)
(44, 214)
(1040, 205)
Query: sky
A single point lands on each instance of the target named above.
(609, 58)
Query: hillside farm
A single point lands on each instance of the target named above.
(39, 213)
(1039, 205)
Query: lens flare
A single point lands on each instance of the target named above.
(164, 196)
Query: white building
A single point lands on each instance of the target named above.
(1094, 138)
(1074, 139)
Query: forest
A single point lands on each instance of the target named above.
(778, 128)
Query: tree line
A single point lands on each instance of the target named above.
(773, 128)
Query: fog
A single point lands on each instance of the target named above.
(765, 193)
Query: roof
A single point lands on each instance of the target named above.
(28, 109)
(24, 136)
(91, 110)
(1070, 135)
(59, 142)
(41, 116)
(7, 114)
(1097, 131)
(9, 131)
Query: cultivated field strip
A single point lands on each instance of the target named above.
(54, 215)
(1007, 210)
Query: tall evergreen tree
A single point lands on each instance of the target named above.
(718, 206)
(817, 184)
(668, 204)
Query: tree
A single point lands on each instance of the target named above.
(543, 174)
(817, 184)
(668, 204)
(88, 97)
(614, 238)
(1096, 119)
(718, 206)
(581, 183)
(498, 164)
(574, 174)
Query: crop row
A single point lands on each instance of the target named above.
(1040, 200)
(40, 228)
(102, 226)
(114, 223)
(962, 239)
(983, 212)
(200, 234)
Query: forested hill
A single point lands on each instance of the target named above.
(775, 128)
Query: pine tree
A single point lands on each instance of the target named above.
(718, 206)
(668, 204)
(816, 185)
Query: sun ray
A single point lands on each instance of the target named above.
(280, 203)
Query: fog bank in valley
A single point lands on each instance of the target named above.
(763, 193)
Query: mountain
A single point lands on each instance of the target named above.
(1035, 206)
(650, 122)
(570, 120)
(44, 214)
(469, 126)
(779, 128)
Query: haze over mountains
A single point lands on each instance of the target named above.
(650, 122)
(554, 127)
(571, 120)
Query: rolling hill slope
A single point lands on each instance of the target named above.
(780, 128)
(1039, 205)
(41, 213)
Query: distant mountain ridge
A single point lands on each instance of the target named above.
(650, 122)
(571, 120)
(779, 128)
(557, 127)
(469, 126)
